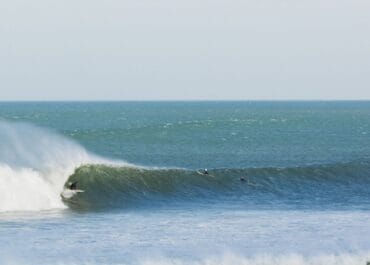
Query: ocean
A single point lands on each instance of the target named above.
(288, 183)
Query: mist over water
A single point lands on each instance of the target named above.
(34, 165)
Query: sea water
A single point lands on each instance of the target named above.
(304, 199)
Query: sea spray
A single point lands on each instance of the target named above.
(34, 165)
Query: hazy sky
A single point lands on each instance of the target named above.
(184, 49)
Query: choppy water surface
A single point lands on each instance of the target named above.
(305, 198)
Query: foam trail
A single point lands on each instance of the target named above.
(34, 165)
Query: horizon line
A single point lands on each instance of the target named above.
(179, 100)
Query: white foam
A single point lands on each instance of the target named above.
(290, 259)
(233, 259)
(34, 165)
(24, 189)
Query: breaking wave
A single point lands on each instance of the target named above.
(36, 166)
(338, 185)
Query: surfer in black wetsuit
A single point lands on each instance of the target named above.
(73, 186)
(242, 179)
(205, 172)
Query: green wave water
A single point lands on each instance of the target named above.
(337, 185)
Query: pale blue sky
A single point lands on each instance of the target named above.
(177, 49)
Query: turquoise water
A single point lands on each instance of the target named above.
(305, 199)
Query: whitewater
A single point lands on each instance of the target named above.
(305, 198)
(35, 164)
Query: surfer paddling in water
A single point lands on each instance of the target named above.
(246, 180)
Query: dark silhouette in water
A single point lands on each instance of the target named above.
(73, 185)
(250, 183)
(205, 172)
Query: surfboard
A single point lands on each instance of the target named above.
(67, 193)
(202, 174)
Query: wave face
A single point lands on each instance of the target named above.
(34, 165)
(337, 185)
